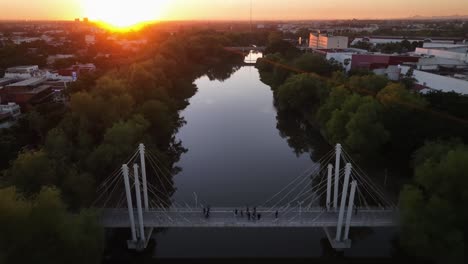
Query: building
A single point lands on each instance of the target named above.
(9, 113)
(22, 72)
(51, 59)
(379, 61)
(396, 39)
(27, 93)
(430, 81)
(76, 70)
(90, 39)
(326, 41)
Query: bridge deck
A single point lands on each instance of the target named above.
(225, 217)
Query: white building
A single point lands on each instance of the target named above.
(385, 40)
(458, 53)
(325, 41)
(22, 72)
(53, 58)
(431, 81)
(12, 109)
(345, 58)
(9, 113)
(90, 39)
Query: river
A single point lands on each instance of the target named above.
(237, 156)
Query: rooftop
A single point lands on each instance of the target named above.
(35, 81)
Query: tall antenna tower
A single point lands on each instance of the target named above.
(251, 29)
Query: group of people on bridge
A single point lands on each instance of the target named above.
(251, 215)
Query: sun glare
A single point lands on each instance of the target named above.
(124, 14)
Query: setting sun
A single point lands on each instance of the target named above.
(124, 14)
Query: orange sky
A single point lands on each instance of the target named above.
(239, 9)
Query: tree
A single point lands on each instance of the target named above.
(312, 63)
(119, 142)
(301, 92)
(405, 117)
(433, 226)
(335, 100)
(355, 122)
(367, 84)
(32, 170)
(366, 133)
(277, 45)
(41, 231)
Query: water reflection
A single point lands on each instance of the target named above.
(253, 56)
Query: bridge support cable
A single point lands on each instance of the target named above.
(313, 171)
(138, 200)
(365, 178)
(107, 187)
(367, 187)
(108, 190)
(151, 187)
(141, 149)
(315, 192)
(111, 194)
(350, 210)
(343, 202)
(116, 173)
(338, 150)
(306, 173)
(129, 201)
(160, 174)
(290, 192)
(154, 160)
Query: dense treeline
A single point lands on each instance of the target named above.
(377, 119)
(75, 148)
(389, 48)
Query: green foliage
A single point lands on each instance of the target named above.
(334, 102)
(274, 69)
(301, 92)
(312, 63)
(32, 170)
(367, 84)
(118, 142)
(277, 45)
(396, 95)
(433, 223)
(355, 122)
(41, 231)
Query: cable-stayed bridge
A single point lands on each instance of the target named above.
(334, 194)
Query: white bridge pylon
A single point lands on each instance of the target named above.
(149, 205)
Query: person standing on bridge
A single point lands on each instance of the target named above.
(276, 214)
(235, 212)
(242, 214)
(248, 215)
(259, 216)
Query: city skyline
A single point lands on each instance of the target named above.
(229, 10)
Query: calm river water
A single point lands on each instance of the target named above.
(236, 156)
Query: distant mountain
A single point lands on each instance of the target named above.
(418, 17)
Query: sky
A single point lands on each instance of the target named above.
(231, 9)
